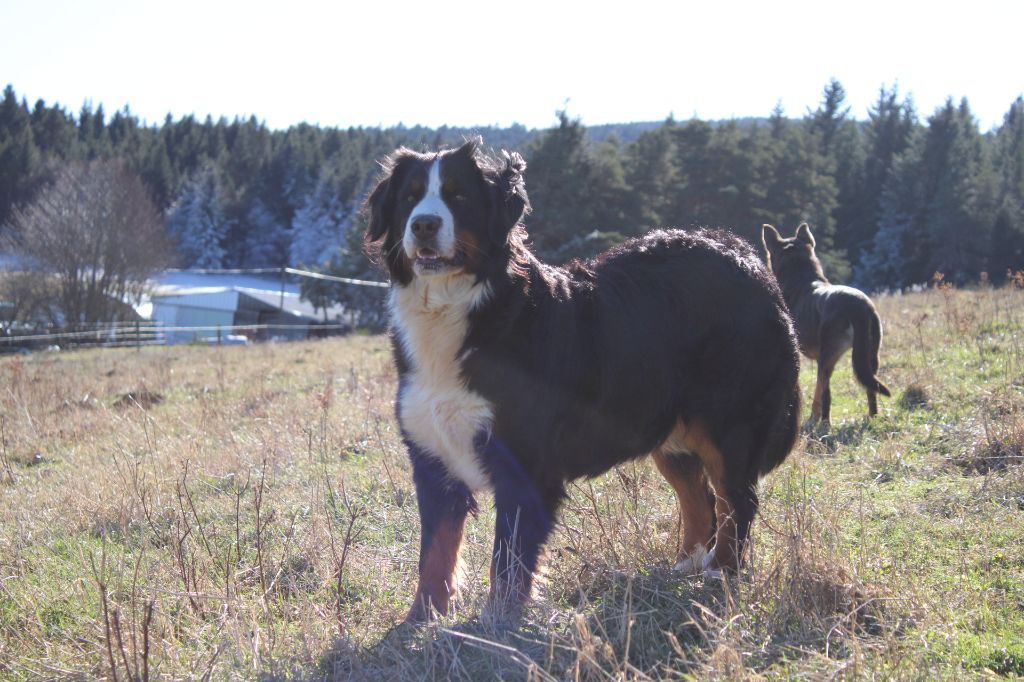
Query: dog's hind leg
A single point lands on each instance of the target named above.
(685, 473)
(821, 408)
(732, 514)
(835, 342)
(867, 338)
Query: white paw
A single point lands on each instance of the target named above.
(693, 564)
(713, 573)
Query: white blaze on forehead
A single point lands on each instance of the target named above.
(432, 204)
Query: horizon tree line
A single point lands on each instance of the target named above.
(892, 199)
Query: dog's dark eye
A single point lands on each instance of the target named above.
(451, 192)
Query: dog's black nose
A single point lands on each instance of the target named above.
(425, 226)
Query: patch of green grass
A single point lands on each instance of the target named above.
(1000, 652)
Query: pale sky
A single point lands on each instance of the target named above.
(502, 62)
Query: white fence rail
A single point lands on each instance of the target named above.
(150, 333)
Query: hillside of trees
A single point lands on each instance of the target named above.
(892, 199)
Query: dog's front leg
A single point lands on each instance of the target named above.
(443, 505)
(525, 517)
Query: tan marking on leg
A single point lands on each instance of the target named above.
(699, 441)
(691, 487)
(438, 581)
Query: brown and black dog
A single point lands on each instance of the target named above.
(829, 318)
(516, 377)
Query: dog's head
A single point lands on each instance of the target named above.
(785, 255)
(446, 214)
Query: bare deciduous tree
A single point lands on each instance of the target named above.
(27, 298)
(94, 229)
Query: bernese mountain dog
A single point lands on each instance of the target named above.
(517, 377)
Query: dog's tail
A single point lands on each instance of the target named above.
(867, 337)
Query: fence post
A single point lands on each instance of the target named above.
(218, 334)
(283, 272)
(138, 337)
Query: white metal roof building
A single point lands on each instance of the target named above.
(265, 311)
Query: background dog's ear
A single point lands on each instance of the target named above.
(803, 234)
(770, 237)
(511, 200)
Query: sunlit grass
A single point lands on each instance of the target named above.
(258, 520)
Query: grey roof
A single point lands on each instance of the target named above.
(293, 305)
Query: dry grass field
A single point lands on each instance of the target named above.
(247, 512)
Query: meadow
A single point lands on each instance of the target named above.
(247, 512)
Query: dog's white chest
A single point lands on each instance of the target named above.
(436, 409)
(444, 421)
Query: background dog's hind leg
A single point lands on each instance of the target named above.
(835, 342)
(867, 338)
(685, 474)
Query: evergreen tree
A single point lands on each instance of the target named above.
(573, 190)
(267, 238)
(1008, 228)
(937, 208)
(894, 245)
(887, 134)
(197, 222)
(741, 155)
(319, 226)
(649, 174)
(607, 187)
(694, 195)
(54, 131)
(155, 168)
(841, 146)
(958, 207)
(18, 155)
(800, 188)
(557, 173)
(829, 120)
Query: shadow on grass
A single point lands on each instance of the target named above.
(825, 439)
(618, 624)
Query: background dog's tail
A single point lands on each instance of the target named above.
(867, 337)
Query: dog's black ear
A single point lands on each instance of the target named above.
(376, 208)
(511, 200)
(803, 234)
(770, 237)
(469, 147)
(379, 206)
